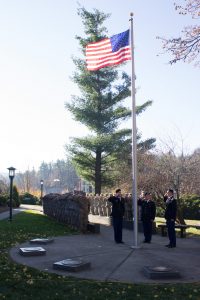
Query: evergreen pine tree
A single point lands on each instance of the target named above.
(100, 109)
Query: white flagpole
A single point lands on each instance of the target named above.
(134, 143)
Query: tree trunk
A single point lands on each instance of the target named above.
(98, 172)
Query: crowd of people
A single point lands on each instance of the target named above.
(147, 215)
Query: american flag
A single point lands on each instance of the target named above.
(108, 52)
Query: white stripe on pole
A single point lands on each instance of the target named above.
(134, 143)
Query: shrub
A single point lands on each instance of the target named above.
(160, 212)
(16, 200)
(191, 207)
(27, 198)
(3, 199)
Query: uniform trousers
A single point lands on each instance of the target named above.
(117, 225)
(171, 232)
(147, 228)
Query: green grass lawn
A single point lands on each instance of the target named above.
(19, 282)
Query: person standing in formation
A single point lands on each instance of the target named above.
(117, 214)
(170, 216)
(148, 213)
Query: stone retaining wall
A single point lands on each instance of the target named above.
(67, 208)
(73, 209)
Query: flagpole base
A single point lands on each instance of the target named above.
(136, 247)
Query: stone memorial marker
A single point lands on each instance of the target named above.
(32, 251)
(41, 241)
(161, 272)
(93, 227)
(71, 265)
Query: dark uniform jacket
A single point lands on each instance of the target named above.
(148, 210)
(171, 208)
(118, 206)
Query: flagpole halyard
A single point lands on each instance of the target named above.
(134, 142)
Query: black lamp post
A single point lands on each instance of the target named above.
(41, 188)
(11, 176)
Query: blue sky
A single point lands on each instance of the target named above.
(37, 39)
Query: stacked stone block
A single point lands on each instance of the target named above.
(70, 209)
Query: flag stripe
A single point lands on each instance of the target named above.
(100, 59)
(106, 47)
(95, 52)
(108, 52)
(111, 63)
(98, 44)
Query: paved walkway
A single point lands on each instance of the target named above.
(117, 262)
(6, 214)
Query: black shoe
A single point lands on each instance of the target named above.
(170, 246)
(167, 245)
(148, 242)
(121, 242)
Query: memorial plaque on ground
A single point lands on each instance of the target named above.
(32, 251)
(71, 265)
(161, 272)
(41, 241)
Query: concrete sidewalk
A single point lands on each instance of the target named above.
(6, 214)
(116, 262)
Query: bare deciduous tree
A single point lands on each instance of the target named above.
(186, 47)
(169, 168)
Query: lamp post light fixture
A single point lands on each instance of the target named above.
(11, 176)
(41, 188)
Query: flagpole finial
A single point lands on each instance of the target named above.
(131, 14)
